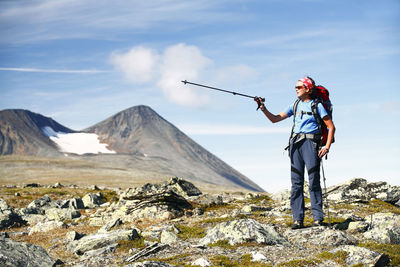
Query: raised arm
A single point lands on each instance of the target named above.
(272, 117)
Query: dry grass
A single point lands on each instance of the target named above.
(83, 171)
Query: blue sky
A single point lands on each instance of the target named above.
(80, 62)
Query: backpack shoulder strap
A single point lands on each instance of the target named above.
(296, 103)
(314, 108)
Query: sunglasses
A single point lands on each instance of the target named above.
(299, 87)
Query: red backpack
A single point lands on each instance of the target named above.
(321, 95)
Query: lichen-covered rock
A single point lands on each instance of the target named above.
(182, 187)
(363, 256)
(92, 200)
(100, 240)
(168, 237)
(8, 217)
(62, 214)
(44, 202)
(385, 228)
(241, 231)
(319, 236)
(150, 264)
(14, 253)
(73, 203)
(359, 189)
(47, 226)
(359, 226)
(151, 201)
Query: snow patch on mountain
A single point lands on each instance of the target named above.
(77, 143)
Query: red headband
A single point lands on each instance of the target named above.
(307, 82)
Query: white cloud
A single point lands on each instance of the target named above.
(166, 71)
(182, 62)
(138, 65)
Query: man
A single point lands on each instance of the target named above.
(304, 150)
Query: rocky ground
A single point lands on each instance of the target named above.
(174, 224)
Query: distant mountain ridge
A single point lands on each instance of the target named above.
(137, 132)
(21, 133)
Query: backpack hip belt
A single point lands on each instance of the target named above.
(297, 137)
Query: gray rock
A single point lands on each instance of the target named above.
(151, 201)
(33, 219)
(182, 187)
(100, 240)
(72, 236)
(14, 253)
(319, 236)
(168, 237)
(150, 264)
(359, 189)
(62, 214)
(364, 256)
(359, 226)
(243, 230)
(201, 262)
(152, 249)
(110, 225)
(44, 202)
(385, 228)
(92, 200)
(3, 205)
(8, 217)
(47, 226)
(100, 251)
(73, 203)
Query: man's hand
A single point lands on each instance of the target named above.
(323, 151)
(260, 102)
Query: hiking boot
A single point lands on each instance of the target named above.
(297, 225)
(317, 223)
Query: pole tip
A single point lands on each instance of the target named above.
(185, 82)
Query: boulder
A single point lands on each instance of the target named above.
(201, 262)
(110, 225)
(8, 217)
(150, 264)
(92, 200)
(151, 201)
(358, 189)
(44, 202)
(319, 236)
(73, 203)
(62, 214)
(385, 228)
(362, 256)
(14, 253)
(241, 231)
(46, 226)
(168, 237)
(182, 187)
(101, 240)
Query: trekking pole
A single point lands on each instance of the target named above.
(326, 195)
(225, 91)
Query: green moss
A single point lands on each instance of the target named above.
(377, 205)
(221, 243)
(300, 263)
(126, 245)
(222, 261)
(191, 232)
(338, 257)
(392, 250)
